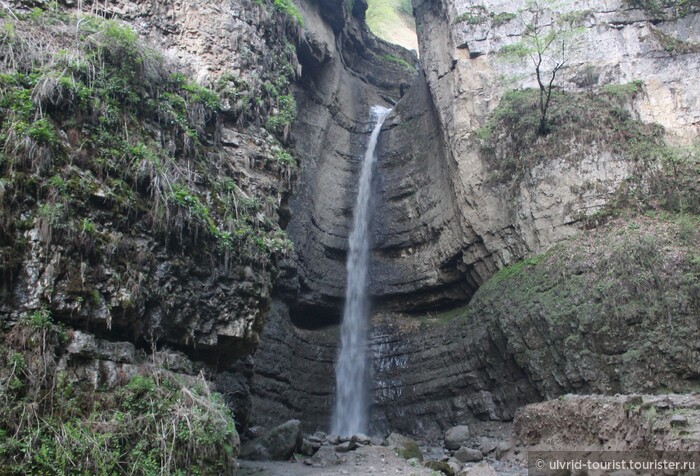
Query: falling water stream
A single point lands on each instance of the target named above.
(351, 413)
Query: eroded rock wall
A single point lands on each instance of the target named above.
(460, 43)
(443, 226)
(294, 373)
(345, 72)
(112, 262)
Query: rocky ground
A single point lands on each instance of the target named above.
(379, 460)
(629, 423)
(365, 460)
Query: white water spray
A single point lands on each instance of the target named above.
(351, 413)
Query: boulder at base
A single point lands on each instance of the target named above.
(456, 436)
(277, 444)
(404, 446)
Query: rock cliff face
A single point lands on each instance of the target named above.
(460, 42)
(346, 71)
(443, 225)
(156, 229)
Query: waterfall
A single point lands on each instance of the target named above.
(351, 413)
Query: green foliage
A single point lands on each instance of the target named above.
(502, 18)
(392, 21)
(108, 95)
(624, 91)
(405, 7)
(517, 50)
(40, 319)
(470, 18)
(280, 122)
(289, 9)
(196, 93)
(155, 424)
(401, 62)
(511, 144)
(440, 318)
(630, 287)
(41, 131)
(514, 270)
(283, 157)
(548, 43)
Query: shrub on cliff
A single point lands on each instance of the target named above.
(548, 40)
(154, 424)
(589, 123)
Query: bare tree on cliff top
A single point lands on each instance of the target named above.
(548, 40)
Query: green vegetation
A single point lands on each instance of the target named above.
(514, 270)
(403, 63)
(289, 9)
(548, 44)
(511, 145)
(476, 15)
(444, 317)
(78, 122)
(282, 121)
(502, 18)
(392, 21)
(471, 18)
(151, 425)
(405, 7)
(621, 298)
(679, 8)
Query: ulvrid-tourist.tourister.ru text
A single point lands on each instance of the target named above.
(661, 465)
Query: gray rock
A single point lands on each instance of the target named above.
(307, 448)
(277, 444)
(455, 464)
(679, 420)
(456, 436)
(361, 439)
(324, 457)
(481, 469)
(468, 455)
(376, 441)
(503, 448)
(333, 439)
(441, 466)
(256, 431)
(487, 445)
(346, 446)
(405, 447)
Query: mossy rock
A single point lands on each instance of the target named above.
(405, 447)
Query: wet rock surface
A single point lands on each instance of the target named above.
(484, 361)
(343, 78)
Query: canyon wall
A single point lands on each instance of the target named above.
(443, 225)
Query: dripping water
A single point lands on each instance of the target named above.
(351, 413)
